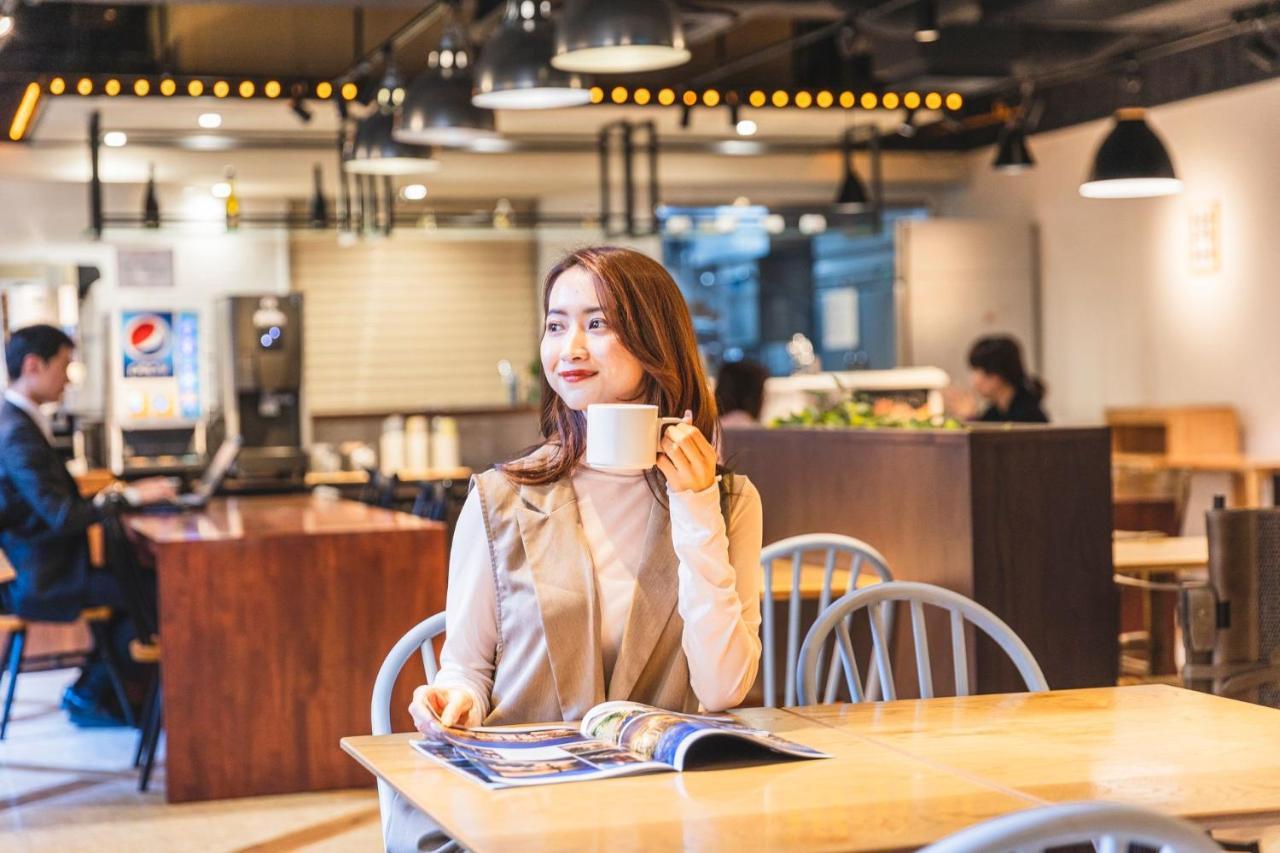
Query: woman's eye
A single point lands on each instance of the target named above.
(597, 323)
(554, 327)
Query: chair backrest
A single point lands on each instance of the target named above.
(431, 502)
(961, 610)
(380, 489)
(1231, 625)
(417, 639)
(832, 547)
(1111, 827)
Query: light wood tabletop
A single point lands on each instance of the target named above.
(902, 774)
(867, 797)
(1160, 554)
(1209, 759)
(811, 576)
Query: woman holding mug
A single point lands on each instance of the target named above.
(569, 585)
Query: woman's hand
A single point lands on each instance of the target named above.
(453, 705)
(688, 460)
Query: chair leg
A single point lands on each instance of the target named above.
(153, 739)
(149, 706)
(13, 664)
(103, 642)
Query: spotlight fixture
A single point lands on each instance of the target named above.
(115, 139)
(437, 108)
(852, 193)
(1012, 154)
(391, 90)
(413, 192)
(300, 109)
(209, 121)
(746, 127)
(926, 21)
(371, 150)
(514, 70)
(1132, 162)
(619, 37)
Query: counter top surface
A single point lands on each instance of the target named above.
(262, 517)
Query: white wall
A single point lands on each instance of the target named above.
(1125, 319)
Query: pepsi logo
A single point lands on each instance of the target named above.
(146, 336)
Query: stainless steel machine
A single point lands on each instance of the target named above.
(263, 397)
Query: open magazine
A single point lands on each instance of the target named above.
(615, 739)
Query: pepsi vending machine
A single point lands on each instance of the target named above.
(156, 420)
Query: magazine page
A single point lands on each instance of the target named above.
(502, 759)
(651, 734)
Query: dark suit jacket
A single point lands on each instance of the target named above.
(43, 523)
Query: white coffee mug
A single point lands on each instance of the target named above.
(624, 437)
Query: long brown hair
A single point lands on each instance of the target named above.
(644, 307)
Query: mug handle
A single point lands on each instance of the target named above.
(662, 423)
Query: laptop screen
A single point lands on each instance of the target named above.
(219, 466)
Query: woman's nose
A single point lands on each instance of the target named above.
(575, 346)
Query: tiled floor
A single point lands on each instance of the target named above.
(69, 789)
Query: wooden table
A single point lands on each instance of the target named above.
(1160, 554)
(1247, 475)
(811, 576)
(1160, 559)
(275, 614)
(903, 774)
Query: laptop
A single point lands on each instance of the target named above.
(210, 481)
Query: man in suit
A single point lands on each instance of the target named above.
(43, 518)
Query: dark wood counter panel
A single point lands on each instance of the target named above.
(1018, 519)
(275, 614)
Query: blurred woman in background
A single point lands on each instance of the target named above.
(999, 377)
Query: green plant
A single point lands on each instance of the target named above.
(860, 414)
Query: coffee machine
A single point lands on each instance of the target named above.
(262, 389)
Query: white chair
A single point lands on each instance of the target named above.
(872, 599)
(1111, 827)
(796, 547)
(417, 639)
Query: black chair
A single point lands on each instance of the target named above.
(16, 661)
(380, 490)
(432, 502)
(139, 593)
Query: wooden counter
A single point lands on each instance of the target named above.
(1018, 519)
(275, 614)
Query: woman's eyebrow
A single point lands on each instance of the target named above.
(592, 309)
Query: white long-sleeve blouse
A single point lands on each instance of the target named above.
(719, 581)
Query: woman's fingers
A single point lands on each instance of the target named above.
(457, 711)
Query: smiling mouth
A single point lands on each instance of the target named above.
(576, 375)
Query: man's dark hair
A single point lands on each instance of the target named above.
(41, 340)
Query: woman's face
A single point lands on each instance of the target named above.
(988, 385)
(583, 358)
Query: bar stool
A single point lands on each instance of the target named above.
(16, 661)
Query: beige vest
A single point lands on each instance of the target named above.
(548, 663)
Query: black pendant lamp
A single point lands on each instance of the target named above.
(514, 71)
(853, 192)
(619, 36)
(1012, 154)
(371, 150)
(437, 108)
(1132, 162)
